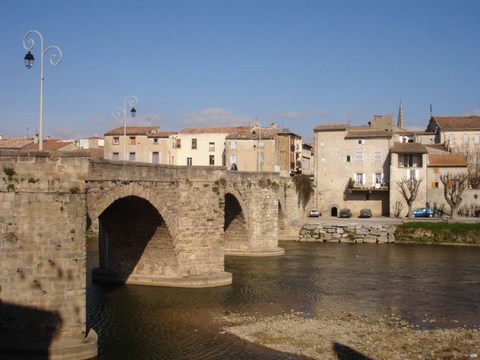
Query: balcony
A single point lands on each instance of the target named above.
(367, 187)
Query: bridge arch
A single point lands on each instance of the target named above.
(235, 225)
(134, 242)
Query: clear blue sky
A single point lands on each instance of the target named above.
(196, 63)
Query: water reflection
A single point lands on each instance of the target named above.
(412, 281)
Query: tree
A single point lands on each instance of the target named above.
(409, 190)
(304, 188)
(453, 187)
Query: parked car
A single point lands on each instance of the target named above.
(345, 213)
(423, 212)
(314, 213)
(365, 213)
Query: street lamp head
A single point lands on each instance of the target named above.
(29, 60)
(133, 112)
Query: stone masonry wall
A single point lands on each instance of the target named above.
(352, 233)
(43, 252)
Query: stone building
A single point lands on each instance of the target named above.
(131, 144)
(352, 166)
(361, 166)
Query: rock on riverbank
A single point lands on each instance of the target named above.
(353, 337)
(351, 233)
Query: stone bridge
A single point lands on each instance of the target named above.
(158, 225)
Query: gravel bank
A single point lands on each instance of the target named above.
(351, 336)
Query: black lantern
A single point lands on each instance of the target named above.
(133, 112)
(29, 60)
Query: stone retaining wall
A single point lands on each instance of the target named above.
(351, 233)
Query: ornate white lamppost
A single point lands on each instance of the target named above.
(55, 59)
(121, 113)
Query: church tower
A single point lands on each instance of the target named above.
(400, 120)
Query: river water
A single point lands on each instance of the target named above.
(431, 286)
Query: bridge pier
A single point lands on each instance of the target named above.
(43, 258)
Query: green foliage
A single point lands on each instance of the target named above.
(304, 189)
(438, 233)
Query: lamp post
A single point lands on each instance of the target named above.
(259, 144)
(119, 113)
(55, 59)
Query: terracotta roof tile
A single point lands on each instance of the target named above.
(331, 127)
(49, 145)
(216, 130)
(15, 143)
(132, 130)
(458, 122)
(356, 134)
(408, 148)
(447, 160)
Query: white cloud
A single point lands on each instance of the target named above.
(475, 112)
(211, 117)
(293, 115)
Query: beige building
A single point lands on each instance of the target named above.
(407, 161)
(203, 146)
(352, 167)
(361, 166)
(253, 148)
(137, 145)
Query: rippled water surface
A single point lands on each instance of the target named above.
(416, 282)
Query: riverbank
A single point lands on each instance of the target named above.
(351, 336)
(428, 231)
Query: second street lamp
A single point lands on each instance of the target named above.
(119, 113)
(55, 59)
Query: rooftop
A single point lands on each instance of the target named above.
(132, 130)
(408, 148)
(457, 122)
(447, 160)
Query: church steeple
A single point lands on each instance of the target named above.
(400, 120)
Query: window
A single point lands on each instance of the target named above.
(378, 178)
(155, 157)
(212, 159)
(133, 140)
(409, 160)
(359, 178)
(189, 161)
(211, 146)
(412, 174)
(347, 159)
(436, 170)
(233, 144)
(360, 142)
(116, 156)
(359, 157)
(155, 141)
(465, 139)
(435, 185)
(194, 143)
(377, 156)
(178, 143)
(131, 156)
(451, 139)
(476, 139)
(116, 140)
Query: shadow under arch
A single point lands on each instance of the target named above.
(133, 240)
(282, 222)
(235, 225)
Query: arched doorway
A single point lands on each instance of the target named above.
(334, 211)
